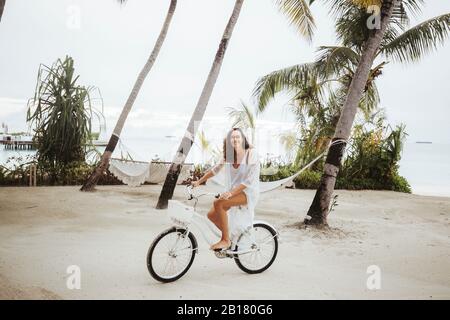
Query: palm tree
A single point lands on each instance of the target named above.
(288, 139)
(338, 66)
(205, 146)
(197, 116)
(91, 182)
(299, 16)
(318, 91)
(2, 7)
(244, 118)
(409, 46)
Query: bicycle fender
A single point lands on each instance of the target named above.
(193, 236)
(270, 225)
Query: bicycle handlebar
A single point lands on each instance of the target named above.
(192, 195)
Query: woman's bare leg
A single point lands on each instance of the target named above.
(212, 216)
(221, 207)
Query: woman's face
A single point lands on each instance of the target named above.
(236, 139)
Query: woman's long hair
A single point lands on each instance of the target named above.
(229, 153)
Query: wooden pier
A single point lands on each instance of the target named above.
(17, 145)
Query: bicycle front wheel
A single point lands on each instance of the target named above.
(259, 247)
(171, 254)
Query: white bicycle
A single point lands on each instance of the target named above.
(173, 251)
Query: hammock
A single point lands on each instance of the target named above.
(286, 182)
(135, 173)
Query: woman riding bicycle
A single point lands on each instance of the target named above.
(242, 169)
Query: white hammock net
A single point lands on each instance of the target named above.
(266, 186)
(135, 173)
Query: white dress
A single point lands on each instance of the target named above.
(241, 217)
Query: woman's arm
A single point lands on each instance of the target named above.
(203, 179)
(210, 173)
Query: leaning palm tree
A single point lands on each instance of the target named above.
(409, 46)
(2, 7)
(91, 182)
(350, 62)
(197, 116)
(299, 15)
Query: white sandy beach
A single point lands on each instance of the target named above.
(107, 233)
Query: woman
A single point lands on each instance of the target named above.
(241, 165)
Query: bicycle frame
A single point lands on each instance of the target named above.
(199, 221)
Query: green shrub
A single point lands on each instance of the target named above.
(308, 179)
(74, 173)
(400, 184)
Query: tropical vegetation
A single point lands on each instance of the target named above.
(60, 115)
(331, 90)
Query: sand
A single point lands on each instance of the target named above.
(107, 233)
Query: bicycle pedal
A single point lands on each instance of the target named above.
(221, 254)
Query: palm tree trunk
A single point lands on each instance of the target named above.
(188, 139)
(2, 7)
(91, 182)
(318, 211)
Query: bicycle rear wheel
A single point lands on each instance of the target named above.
(261, 242)
(171, 254)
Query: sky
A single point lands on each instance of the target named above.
(110, 43)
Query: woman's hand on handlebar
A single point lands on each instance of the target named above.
(195, 184)
(225, 196)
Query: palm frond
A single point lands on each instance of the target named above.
(204, 142)
(299, 15)
(334, 60)
(369, 100)
(419, 40)
(249, 115)
(288, 79)
(366, 3)
(338, 8)
(403, 10)
(413, 6)
(289, 141)
(351, 25)
(242, 117)
(61, 114)
(310, 97)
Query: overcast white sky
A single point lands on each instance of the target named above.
(112, 43)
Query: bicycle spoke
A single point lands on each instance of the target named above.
(263, 240)
(187, 248)
(172, 254)
(166, 264)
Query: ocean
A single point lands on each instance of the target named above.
(425, 166)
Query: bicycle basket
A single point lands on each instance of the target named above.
(179, 213)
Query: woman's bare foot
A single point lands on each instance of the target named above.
(222, 244)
